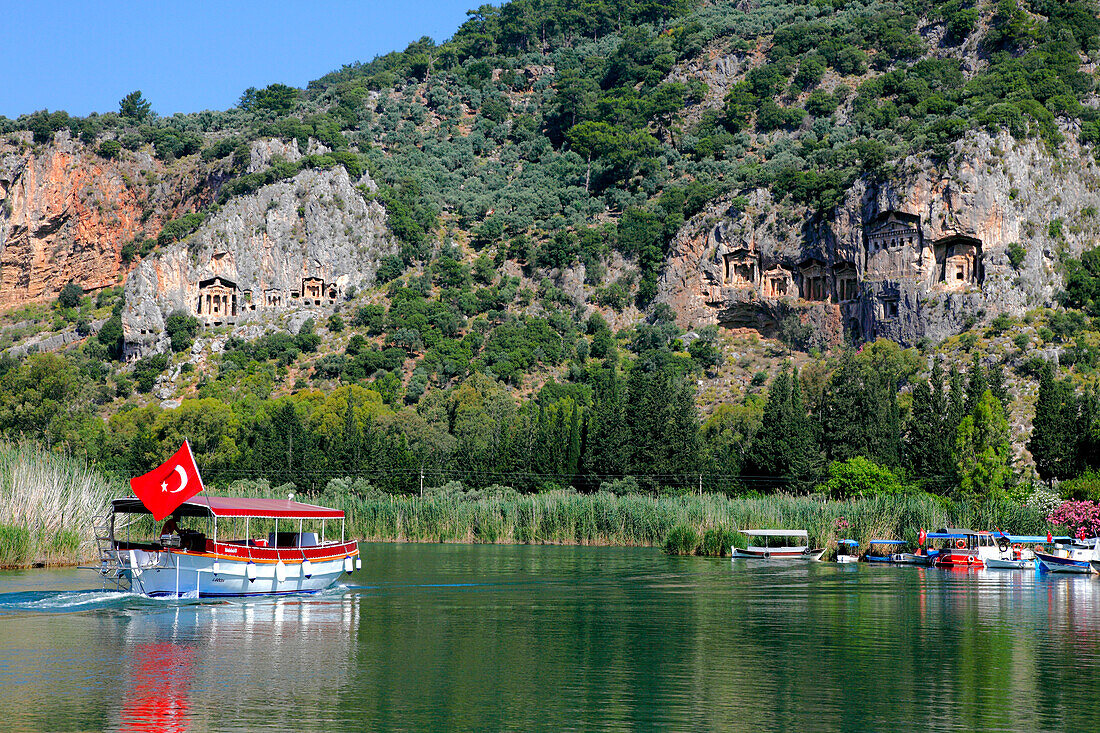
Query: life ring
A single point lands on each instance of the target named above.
(960, 544)
(1017, 546)
(1002, 544)
(969, 559)
(767, 555)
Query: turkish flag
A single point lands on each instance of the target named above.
(170, 484)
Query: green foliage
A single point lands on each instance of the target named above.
(147, 370)
(1016, 255)
(984, 451)
(70, 296)
(135, 107)
(182, 328)
(109, 149)
(275, 98)
(682, 540)
(859, 477)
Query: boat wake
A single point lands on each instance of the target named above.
(64, 601)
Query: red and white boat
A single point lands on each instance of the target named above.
(198, 562)
(964, 548)
(778, 544)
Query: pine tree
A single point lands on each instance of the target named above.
(784, 452)
(997, 386)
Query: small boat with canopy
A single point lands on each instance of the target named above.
(884, 551)
(847, 551)
(777, 544)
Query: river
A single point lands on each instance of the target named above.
(460, 637)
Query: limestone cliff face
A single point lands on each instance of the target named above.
(65, 214)
(920, 254)
(65, 218)
(291, 250)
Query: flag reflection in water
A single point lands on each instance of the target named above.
(160, 679)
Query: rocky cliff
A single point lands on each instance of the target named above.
(292, 250)
(920, 254)
(65, 213)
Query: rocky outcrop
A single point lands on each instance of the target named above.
(66, 213)
(65, 218)
(924, 253)
(270, 259)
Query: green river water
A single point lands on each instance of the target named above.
(456, 637)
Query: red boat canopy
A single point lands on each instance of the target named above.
(229, 506)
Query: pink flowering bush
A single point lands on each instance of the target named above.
(1082, 517)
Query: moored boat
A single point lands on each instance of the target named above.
(912, 558)
(776, 544)
(200, 564)
(1070, 556)
(881, 551)
(963, 548)
(847, 551)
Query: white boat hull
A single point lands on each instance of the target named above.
(176, 574)
(785, 553)
(999, 564)
(847, 559)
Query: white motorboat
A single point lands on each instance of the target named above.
(191, 563)
(777, 544)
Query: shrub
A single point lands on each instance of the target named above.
(1016, 254)
(335, 323)
(109, 149)
(681, 540)
(717, 542)
(1081, 518)
(182, 328)
(70, 296)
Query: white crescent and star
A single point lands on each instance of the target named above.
(183, 482)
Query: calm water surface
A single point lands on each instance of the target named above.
(452, 637)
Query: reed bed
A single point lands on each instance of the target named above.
(47, 503)
(710, 520)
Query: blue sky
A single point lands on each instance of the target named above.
(191, 55)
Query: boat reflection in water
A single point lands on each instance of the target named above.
(290, 656)
(159, 682)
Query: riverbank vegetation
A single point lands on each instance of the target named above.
(47, 502)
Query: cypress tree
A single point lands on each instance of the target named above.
(930, 433)
(1053, 443)
(606, 452)
(996, 375)
(976, 384)
(784, 452)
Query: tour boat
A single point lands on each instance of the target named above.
(776, 545)
(847, 551)
(1070, 556)
(197, 564)
(964, 548)
(883, 545)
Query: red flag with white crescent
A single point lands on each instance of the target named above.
(170, 484)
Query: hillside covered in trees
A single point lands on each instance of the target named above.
(535, 171)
